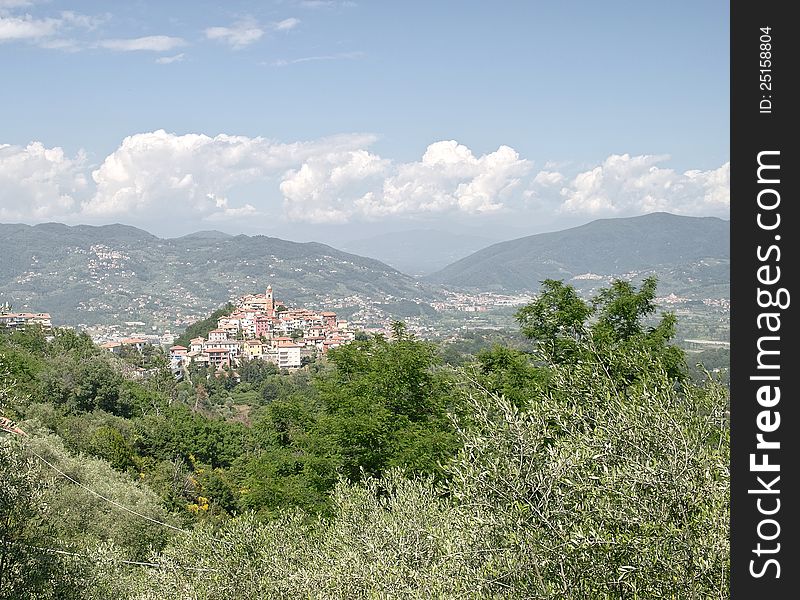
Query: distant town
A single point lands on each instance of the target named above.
(259, 328)
(264, 328)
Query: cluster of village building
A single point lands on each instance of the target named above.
(20, 320)
(261, 328)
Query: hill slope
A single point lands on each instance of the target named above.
(95, 275)
(683, 251)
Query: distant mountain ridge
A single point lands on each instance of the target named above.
(418, 251)
(88, 275)
(116, 273)
(670, 245)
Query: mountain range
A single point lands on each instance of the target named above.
(85, 274)
(684, 252)
(115, 273)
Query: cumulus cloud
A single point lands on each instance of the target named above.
(327, 188)
(191, 173)
(39, 183)
(449, 177)
(149, 43)
(548, 178)
(191, 177)
(240, 34)
(625, 184)
(225, 212)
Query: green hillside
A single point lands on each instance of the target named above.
(96, 275)
(685, 252)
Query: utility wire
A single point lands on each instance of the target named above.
(102, 497)
(113, 502)
(120, 560)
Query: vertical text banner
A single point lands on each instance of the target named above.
(765, 420)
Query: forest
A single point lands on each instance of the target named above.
(590, 461)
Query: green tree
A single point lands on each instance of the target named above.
(386, 404)
(26, 570)
(621, 329)
(202, 327)
(556, 320)
(559, 321)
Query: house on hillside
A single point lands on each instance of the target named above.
(18, 320)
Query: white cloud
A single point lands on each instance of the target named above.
(167, 60)
(326, 4)
(26, 28)
(448, 178)
(624, 185)
(43, 31)
(548, 178)
(39, 183)
(150, 43)
(88, 22)
(188, 174)
(286, 24)
(340, 56)
(225, 212)
(327, 188)
(159, 176)
(63, 44)
(241, 34)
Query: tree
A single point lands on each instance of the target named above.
(386, 405)
(26, 571)
(508, 372)
(559, 322)
(620, 330)
(600, 490)
(202, 327)
(556, 320)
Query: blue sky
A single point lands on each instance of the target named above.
(327, 119)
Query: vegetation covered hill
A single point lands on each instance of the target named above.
(113, 273)
(686, 253)
(586, 465)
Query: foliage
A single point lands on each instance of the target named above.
(26, 570)
(556, 320)
(201, 328)
(386, 406)
(595, 494)
(586, 465)
(600, 493)
(559, 322)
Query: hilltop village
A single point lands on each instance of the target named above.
(259, 328)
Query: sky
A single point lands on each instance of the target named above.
(334, 120)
